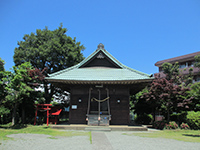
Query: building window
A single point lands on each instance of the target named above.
(191, 64)
(182, 66)
(160, 69)
(197, 79)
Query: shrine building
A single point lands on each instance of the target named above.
(100, 87)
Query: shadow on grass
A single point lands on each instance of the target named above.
(9, 126)
(47, 127)
(192, 135)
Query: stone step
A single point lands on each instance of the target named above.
(98, 128)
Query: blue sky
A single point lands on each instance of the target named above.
(136, 32)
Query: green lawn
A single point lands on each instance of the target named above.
(5, 130)
(181, 135)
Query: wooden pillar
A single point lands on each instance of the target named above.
(56, 119)
(99, 109)
(47, 115)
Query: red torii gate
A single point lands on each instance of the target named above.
(45, 107)
(54, 111)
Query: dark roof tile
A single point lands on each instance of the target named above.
(178, 59)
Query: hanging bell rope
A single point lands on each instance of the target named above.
(94, 99)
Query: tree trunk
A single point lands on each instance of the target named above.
(46, 93)
(14, 114)
(49, 91)
(23, 115)
(154, 114)
(168, 115)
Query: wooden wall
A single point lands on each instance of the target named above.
(119, 111)
(78, 116)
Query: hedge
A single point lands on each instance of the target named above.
(193, 120)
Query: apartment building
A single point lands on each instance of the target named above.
(185, 63)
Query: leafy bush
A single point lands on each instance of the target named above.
(54, 103)
(193, 120)
(179, 117)
(159, 125)
(184, 126)
(171, 125)
(143, 118)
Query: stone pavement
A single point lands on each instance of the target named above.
(100, 141)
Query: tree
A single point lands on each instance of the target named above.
(141, 107)
(1, 65)
(35, 96)
(167, 96)
(152, 97)
(174, 98)
(53, 50)
(20, 85)
(3, 74)
(195, 94)
(171, 71)
(17, 87)
(195, 89)
(197, 61)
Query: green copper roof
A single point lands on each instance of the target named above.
(81, 72)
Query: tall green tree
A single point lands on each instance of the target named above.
(53, 50)
(195, 94)
(17, 88)
(171, 71)
(195, 89)
(3, 74)
(1, 65)
(197, 61)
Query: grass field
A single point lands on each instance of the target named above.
(181, 135)
(7, 130)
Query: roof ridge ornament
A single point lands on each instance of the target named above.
(100, 56)
(100, 46)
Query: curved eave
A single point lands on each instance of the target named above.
(100, 82)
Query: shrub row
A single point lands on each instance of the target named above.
(192, 120)
(171, 125)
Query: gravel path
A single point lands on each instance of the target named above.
(117, 139)
(100, 141)
(45, 142)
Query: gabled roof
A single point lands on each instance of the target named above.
(99, 67)
(178, 59)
